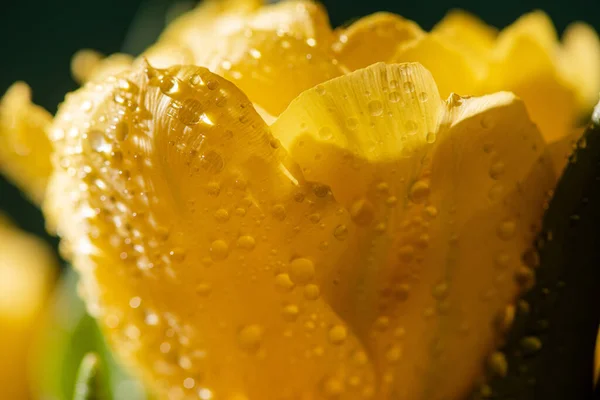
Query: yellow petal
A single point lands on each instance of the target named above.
(24, 147)
(375, 38)
(524, 63)
(88, 65)
(467, 31)
(581, 59)
(206, 29)
(270, 69)
(440, 217)
(26, 274)
(454, 70)
(199, 243)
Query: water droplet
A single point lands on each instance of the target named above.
(340, 232)
(409, 87)
(212, 162)
(525, 277)
(278, 212)
(498, 364)
(394, 97)
(430, 211)
(169, 86)
(290, 312)
(284, 283)
(338, 334)
(212, 85)
(419, 191)
(394, 353)
(531, 344)
(246, 242)
(249, 337)
(333, 387)
(411, 127)
(507, 229)
(440, 291)
(431, 137)
(311, 292)
(362, 212)
(352, 123)
(423, 97)
(189, 112)
(203, 289)
(496, 170)
(320, 89)
(219, 250)
(375, 108)
(213, 189)
(222, 215)
(302, 271)
(325, 133)
(382, 323)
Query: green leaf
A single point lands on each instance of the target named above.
(67, 335)
(88, 379)
(550, 348)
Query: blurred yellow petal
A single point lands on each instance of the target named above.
(467, 31)
(374, 38)
(454, 70)
(88, 65)
(444, 200)
(200, 245)
(26, 274)
(24, 147)
(581, 59)
(524, 63)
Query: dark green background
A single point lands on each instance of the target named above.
(38, 38)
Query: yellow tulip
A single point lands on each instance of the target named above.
(264, 208)
(26, 274)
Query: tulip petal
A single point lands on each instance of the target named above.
(374, 38)
(440, 218)
(199, 243)
(581, 60)
(524, 63)
(88, 65)
(467, 31)
(263, 63)
(454, 70)
(26, 276)
(24, 146)
(279, 48)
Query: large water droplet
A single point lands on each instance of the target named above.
(338, 334)
(249, 337)
(219, 250)
(302, 271)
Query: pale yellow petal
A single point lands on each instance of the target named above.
(374, 38)
(444, 200)
(524, 63)
(454, 70)
(24, 147)
(88, 65)
(201, 246)
(27, 270)
(580, 57)
(468, 32)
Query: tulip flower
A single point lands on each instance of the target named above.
(261, 207)
(26, 276)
